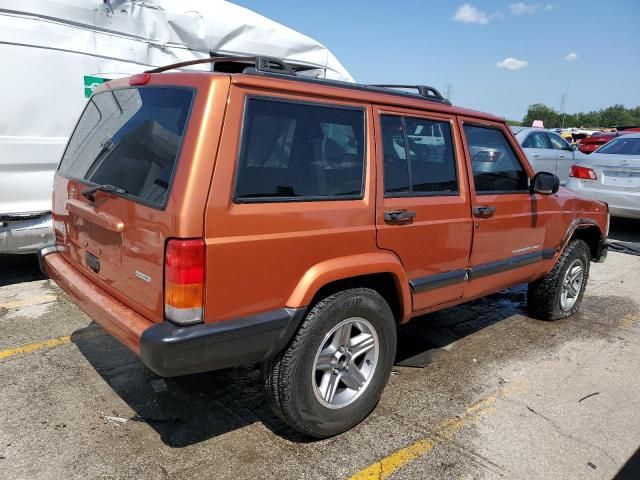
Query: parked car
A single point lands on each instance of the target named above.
(209, 220)
(591, 144)
(611, 174)
(547, 151)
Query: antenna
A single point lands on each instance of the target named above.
(448, 92)
(563, 100)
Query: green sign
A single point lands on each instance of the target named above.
(91, 83)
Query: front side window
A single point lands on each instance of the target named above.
(130, 138)
(299, 151)
(418, 157)
(558, 143)
(496, 168)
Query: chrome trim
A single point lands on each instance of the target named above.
(43, 252)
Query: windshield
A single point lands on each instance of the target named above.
(621, 146)
(129, 138)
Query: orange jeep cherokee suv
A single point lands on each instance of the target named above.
(209, 219)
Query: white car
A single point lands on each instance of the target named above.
(547, 151)
(611, 174)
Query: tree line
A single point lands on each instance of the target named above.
(603, 118)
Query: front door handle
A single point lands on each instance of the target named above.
(484, 210)
(395, 216)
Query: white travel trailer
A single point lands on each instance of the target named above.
(55, 53)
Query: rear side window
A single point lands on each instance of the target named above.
(130, 138)
(496, 168)
(299, 151)
(418, 157)
(536, 140)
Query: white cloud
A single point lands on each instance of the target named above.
(549, 6)
(512, 63)
(522, 8)
(467, 13)
(571, 57)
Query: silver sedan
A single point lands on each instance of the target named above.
(611, 174)
(547, 151)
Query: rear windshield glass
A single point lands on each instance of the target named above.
(130, 139)
(622, 146)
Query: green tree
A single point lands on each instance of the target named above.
(539, 111)
(606, 117)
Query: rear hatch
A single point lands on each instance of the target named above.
(129, 140)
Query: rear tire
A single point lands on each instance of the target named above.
(332, 374)
(559, 294)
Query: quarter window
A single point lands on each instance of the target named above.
(496, 168)
(298, 151)
(418, 157)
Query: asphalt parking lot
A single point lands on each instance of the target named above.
(480, 391)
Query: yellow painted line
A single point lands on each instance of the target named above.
(629, 320)
(446, 430)
(385, 467)
(29, 302)
(32, 347)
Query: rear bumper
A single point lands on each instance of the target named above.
(27, 235)
(170, 350)
(621, 204)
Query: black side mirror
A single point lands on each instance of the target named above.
(545, 183)
(573, 147)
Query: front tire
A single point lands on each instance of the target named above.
(333, 373)
(559, 294)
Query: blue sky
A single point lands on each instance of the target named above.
(459, 44)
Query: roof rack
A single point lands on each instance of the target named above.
(423, 90)
(262, 65)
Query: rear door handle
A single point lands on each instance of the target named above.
(484, 210)
(395, 216)
(536, 155)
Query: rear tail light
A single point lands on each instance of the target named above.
(184, 268)
(584, 173)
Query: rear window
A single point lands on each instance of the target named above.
(622, 146)
(130, 139)
(299, 151)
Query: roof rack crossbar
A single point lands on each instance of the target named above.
(423, 90)
(274, 66)
(261, 63)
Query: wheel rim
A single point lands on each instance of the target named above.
(345, 362)
(571, 285)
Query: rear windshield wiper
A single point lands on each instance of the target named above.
(89, 193)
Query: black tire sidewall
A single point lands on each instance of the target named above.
(326, 421)
(579, 250)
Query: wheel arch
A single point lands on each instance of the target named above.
(380, 271)
(587, 230)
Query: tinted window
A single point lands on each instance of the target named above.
(558, 142)
(129, 138)
(418, 156)
(495, 165)
(300, 151)
(536, 140)
(622, 146)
